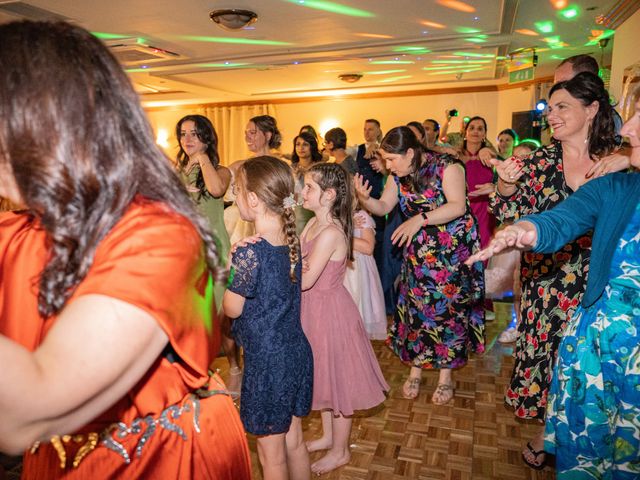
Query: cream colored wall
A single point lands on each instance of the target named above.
(625, 52)
(496, 107)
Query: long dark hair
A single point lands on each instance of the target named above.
(206, 133)
(399, 140)
(308, 137)
(333, 176)
(588, 88)
(418, 126)
(80, 148)
(272, 181)
(466, 126)
(267, 124)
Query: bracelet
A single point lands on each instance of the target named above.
(426, 219)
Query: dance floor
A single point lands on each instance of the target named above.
(475, 437)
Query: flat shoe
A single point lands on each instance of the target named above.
(536, 454)
(443, 390)
(411, 388)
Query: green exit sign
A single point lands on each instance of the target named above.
(521, 75)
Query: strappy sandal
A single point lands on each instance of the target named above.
(411, 388)
(443, 390)
(536, 454)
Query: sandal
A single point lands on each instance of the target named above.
(443, 390)
(536, 454)
(411, 388)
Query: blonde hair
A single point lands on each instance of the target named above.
(272, 181)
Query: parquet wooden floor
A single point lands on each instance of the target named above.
(475, 437)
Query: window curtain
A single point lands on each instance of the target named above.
(230, 123)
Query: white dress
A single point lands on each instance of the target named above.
(363, 282)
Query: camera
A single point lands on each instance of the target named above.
(453, 112)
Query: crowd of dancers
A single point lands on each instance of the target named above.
(123, 274)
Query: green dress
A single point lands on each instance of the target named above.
(213, 209)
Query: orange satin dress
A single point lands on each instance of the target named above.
(152, 259)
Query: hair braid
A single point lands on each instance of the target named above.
(289, 229)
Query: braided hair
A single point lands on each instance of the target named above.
(332, 175)
(272, 181)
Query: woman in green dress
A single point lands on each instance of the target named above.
(207, 181)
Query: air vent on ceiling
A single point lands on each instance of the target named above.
(11, 11)
(133, 51)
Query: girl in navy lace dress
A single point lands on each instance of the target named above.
(264, 297)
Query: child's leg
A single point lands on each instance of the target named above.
(273, 457)
(232, 352)
(325, 441)
(339, 453)
(297, 455)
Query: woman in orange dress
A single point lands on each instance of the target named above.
(105, 279)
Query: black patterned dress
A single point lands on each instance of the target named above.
(439, 317)
(552, 284)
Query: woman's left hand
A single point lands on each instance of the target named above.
(407, 230)
(243, 243)
(483, 189)
(615, 162)
(485, 155)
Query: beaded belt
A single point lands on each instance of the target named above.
(111, 435)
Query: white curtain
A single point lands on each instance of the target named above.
(230, 123)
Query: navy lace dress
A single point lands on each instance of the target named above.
(278, 363)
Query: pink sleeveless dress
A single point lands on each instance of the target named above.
(346, 373)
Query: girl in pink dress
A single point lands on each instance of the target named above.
(346, 375)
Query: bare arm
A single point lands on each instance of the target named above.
(327, 243)
(215, 179)
(232, 304)
(366, 243)
(454, 189)
(382, 206)
(98, 349)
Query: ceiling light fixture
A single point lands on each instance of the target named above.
(233, 19)
(350, 77)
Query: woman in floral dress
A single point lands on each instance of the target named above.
(439, 318)
(552, 284)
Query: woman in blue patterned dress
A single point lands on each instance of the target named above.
(439, 317)
(593, 413)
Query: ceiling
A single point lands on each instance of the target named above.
(297, 48)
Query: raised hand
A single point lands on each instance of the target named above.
(362, 187)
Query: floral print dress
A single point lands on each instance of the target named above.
(439, 317)
(552, 284)
(593, 422)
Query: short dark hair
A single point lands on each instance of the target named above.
(372, 120)
(436, 125)
(582, 63)
(511, 132)
(337, 136)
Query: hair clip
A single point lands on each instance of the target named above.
(289, 202)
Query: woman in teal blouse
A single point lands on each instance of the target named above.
(593, 414)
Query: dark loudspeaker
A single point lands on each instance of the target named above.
(527, 124)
